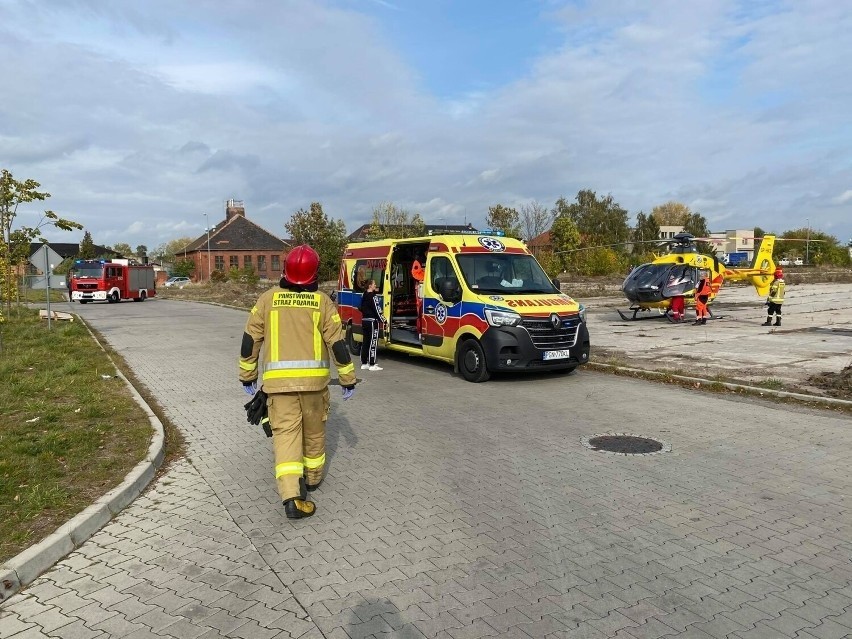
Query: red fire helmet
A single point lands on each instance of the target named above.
(779, 274)
(301, 265)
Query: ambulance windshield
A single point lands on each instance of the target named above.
(505, 273)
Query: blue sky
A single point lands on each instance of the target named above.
(141, 117)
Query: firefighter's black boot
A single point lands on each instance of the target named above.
(298, 508)
(703, 320)
(778, 321)
(768, 321)
(313, 487)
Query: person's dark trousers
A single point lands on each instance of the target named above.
(370, 343)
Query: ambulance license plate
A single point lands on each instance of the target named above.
(548, 355)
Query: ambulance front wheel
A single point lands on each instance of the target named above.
(471, 362)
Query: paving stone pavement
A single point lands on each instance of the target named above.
(458, 511)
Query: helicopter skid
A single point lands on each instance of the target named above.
(636, 319)
(665, 314)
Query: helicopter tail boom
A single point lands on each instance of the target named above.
(762, 269)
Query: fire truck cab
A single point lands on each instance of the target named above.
(487, 305)
(102, 280)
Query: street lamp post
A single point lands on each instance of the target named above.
(808, 241)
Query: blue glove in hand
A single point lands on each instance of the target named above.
(348, 392)
(250, 387)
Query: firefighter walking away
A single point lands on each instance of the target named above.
(301, 330)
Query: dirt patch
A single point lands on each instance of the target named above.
(838, 385)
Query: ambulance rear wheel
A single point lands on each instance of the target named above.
(471, 361)
(354, 347)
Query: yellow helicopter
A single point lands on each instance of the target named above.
(675, 275)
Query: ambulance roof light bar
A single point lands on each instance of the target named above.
(494, 232)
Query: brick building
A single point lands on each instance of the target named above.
(237, 242)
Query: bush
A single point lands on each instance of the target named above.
(246, 275)
(598, 261)
(218, 276)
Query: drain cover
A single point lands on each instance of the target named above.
(625, 444)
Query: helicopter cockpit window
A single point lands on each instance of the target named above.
(648, 275)
(681, 279)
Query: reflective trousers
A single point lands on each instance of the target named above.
(701, 307)
(298, 438)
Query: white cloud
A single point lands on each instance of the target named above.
(160, 111)
(844, 197)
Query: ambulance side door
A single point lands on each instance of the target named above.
(440, 316)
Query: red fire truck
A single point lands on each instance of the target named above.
(99, 280)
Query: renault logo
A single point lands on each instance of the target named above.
(555, 322)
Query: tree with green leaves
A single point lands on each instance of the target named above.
(679, 214)
(15, 242)
(671, 213)
(123, 249)
(141, 250)
(696, 225)
(87, 247)
(173, 250)
(564, 238)
(600, 221)
(813, 246)
(644, 233)
(390, 220)
(504, 218)
(183, 268)
(326, 236)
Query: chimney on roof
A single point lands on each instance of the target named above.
(234, 208)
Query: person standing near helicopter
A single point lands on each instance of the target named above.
(702, 296)
(775, 299)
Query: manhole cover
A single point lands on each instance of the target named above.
(625, 444)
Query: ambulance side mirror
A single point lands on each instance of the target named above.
(450, 290)
(555, 283)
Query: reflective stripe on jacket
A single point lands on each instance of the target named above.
(776, 292)
(302, 333)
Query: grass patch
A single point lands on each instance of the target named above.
(67, 435)
(772, 383)
(36, 296)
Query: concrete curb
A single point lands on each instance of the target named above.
(728, 385)
(21, 570)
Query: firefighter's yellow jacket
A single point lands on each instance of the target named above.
(776, 292)
(300, 330)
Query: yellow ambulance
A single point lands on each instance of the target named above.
(485, 305)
